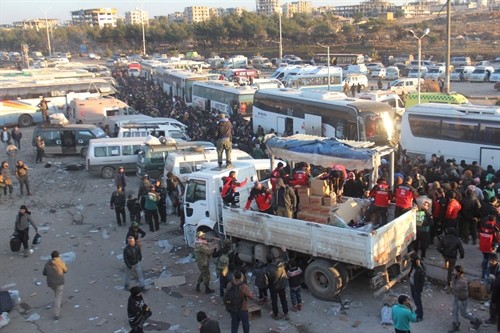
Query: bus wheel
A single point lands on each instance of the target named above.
(323, 280)
(83, 152)
(25, 120)
(107, 172)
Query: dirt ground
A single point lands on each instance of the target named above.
(94, 299)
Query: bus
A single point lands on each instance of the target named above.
(338, 59)
(316, 81)
(19, 100)
(323, 113)
(223, 96)
(178, 83)
(460, 132)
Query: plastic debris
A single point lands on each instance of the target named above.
(105, 234)
(185, 260)
(165, 244)
(121, 330)
(33, 317)
(4, 319)
(14, 295)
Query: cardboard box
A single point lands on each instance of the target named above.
(319, 187)
(303, 190)
(329, 201)
(478, 290)
(312, 217)
(315, 200)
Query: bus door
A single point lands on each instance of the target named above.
(489, 156)
(312, 124)
(68, 141)
(284, 125)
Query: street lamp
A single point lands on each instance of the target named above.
(412, 33)
(328, 57)
(47, 30)
(281, 36)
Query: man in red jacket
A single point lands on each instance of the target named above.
(228, 193)
(404, 195)
(262, 197)
(382, 196)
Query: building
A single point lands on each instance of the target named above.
(137, 16)
(268, 7)
(370, 8)
(235, 10)
(195, 14)
(415, 9)
(37, 24)
(298, 7)
(176, 17)
(97, 17)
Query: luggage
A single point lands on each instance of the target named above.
(15, 244)
(6, 303)
(478, 290)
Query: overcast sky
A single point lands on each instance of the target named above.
(18, 10)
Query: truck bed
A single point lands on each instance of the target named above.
(366, 249)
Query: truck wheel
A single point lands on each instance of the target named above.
(323, 279)
(25, 120)
(344, 275)
(83, 152)
(107, 172)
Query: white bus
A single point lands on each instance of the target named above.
(178, 83)
(462, 132)
(316, 81)
(223, 96)
(19, 100)
(322, 113)
(338, 59)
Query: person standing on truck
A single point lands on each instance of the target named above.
(262, 197)
(223, 137)
(404, 195)
(44, 107)
(228, 193)
(203, 252)
(118, 202)
(382, 195)
(284, 200)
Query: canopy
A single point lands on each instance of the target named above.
(326, 152)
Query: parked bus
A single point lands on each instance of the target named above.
(19, 100)
(178, 83)
(316, 81)
(338, 59)
(223, 96)
(462, 132)
(328, 114)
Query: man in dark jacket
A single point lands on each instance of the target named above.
(449, 246)
(223, 138)
(118, 202)
(132, 257)
(417, 280)
(207, 325)
(138, 311)
(22, 226)
(495, 302)
(277, 277)
(284, 201)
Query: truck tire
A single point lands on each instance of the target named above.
(107, 172)
(25, 120)
(323, 279)
(344, 274)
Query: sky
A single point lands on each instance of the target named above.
(18, 10)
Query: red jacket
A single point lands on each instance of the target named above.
(452, 209)
(382, 195)
(262, 198)
(300, 178)
(405, 194)
(230, 183)
(275, 175)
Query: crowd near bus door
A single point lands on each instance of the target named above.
(68, 142)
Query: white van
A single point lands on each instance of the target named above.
(464, 71)
(355, 69)
(460, 61)
(435, 73)
(354, 79)
(481, 74)
(105, 156)
(97, 110)
(130, 130)
(392, 73)
(413, 72)
(406, 85)
(183, 163)
(384, 96)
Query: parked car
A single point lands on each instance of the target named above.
(378, 72)
(93, 56)
(435, 73)
(462, 73)
(495, 76)
(481, 74)
(413, 73)
(392, 73)
(374, 66)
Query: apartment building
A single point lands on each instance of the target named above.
(137, 16)
(298, 7)
(99, 17)
(195, 14)
(37, 24)
(268, 7)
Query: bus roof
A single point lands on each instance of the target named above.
(226, 86)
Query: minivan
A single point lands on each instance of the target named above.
(151, 157)
(460, 61)
(130, 130)
(105, 156)
(354, 79)
(183, 163)
(435, 73)
(460, 73)
(481, 74)
(405, 85)
(67, 139)
(413, 72)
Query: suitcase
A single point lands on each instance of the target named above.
(15, 244)
(6, 303)
(478, 290)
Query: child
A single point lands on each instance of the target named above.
(134, 209)
(261, 280)
(294, 281)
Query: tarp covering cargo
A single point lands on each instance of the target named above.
(326, 151)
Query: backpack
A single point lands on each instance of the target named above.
(233, 298)
(222, 262)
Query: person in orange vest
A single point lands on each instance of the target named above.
(382, 196)
(262, 197)
(228, 193)
(404, 195)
